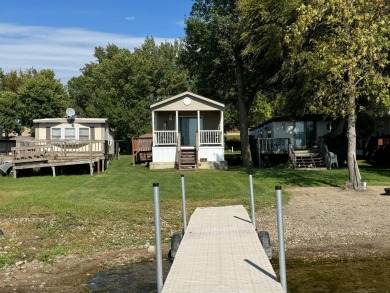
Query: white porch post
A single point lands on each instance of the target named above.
(177, 127)
(177, 122)
(154, 143)
(222, 128)
(198, 120)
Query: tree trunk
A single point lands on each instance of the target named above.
(351, 153)
(243, 116)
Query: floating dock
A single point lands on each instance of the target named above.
(221, 252)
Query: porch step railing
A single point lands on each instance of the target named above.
(165, 137)
(210, 137)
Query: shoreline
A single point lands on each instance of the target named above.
(322, 224)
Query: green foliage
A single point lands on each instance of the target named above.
(13, 80)
(50, 254)
(261, 110)
(10, 108)
(43, 96)
(121, 85)
(6, 260)
(338, 50)
(219, 69)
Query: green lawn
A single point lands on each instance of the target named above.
(42, 216)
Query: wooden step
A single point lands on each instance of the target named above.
(309, 160)
(188, 159)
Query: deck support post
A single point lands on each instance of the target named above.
(258, 144)
(14, 171)
(53, 169)
(98, 166)
(282, 258)
(156, 198)
(91, 168)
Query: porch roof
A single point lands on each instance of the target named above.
(187, 101)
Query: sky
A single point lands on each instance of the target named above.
(62, 34)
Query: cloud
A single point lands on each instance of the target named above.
(130, 18)
(64, 50)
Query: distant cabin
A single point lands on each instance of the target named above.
(299, 139)
(188, 133)
(303, 132)
(61, 142)
(79, 129)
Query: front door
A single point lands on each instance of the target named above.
(188, 127)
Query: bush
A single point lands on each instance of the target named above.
(233, 142)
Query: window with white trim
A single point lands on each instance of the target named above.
(70, 133)
(56, 133)
(83, 133)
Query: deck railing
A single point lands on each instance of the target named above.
(274, 145)
(210, 137)
(58, 149)
(165, 137)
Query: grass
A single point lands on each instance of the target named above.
(43, 217)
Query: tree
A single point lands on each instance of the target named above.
(338, 52)
(264, 26)
(121, 85)
(214, 57)
(42, 96)
(9, 112)
(14, 79)
(167, 76)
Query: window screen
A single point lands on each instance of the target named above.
(70, 133)
(84, 133)
(55, 133)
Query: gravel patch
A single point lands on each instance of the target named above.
(329, 222)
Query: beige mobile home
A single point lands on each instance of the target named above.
(66, 141)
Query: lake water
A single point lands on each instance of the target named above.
(361, 275)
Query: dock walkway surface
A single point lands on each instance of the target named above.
(221, 252)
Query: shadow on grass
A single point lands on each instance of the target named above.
(289, 177)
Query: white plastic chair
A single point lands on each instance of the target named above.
(332, 159)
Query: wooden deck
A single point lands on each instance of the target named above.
(221, 252)
(56, 153)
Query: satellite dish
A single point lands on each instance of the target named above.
(70, 115)
(70, 112)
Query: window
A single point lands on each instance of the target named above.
(83, 133)
(55, 133)
(70, 133)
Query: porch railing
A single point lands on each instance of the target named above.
(165, 137)
(210, 137)
(206, 137)
(274, 145)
